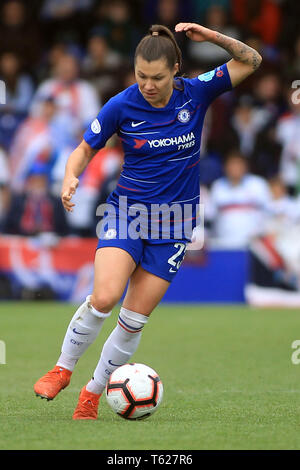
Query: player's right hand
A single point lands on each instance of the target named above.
(68, 189)
(195, 32)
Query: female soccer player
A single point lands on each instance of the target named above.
(159, 120)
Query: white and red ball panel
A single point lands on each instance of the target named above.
(117, 400)
(134, 391)
(140, 410)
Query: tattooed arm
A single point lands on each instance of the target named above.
(245, 60)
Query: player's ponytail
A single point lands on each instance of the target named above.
(158, 43)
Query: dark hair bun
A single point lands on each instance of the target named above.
(159, 43)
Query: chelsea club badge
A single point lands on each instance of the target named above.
(184, 115)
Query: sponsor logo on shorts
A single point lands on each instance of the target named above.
(110, 234)
(179, 220)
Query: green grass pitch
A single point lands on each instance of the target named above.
(228, 378)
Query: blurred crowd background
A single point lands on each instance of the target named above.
(61, 60)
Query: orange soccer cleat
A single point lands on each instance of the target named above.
(87, 406)
(52, 383)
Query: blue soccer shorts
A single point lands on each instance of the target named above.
(159, 256)
(161, 259)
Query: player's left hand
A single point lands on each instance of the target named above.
(195, 31)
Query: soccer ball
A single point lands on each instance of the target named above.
(134, 391)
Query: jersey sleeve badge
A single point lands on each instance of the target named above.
(96, 127)
(207, 76)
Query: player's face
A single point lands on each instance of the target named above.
(155, 80)
(235, 169)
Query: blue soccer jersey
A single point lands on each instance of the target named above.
(161, 145)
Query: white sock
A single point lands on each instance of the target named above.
(118, 348)
(82, 331)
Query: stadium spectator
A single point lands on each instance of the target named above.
(238, 203)
(19, 91)
(51, 57)
(268, 98)
(293, 65)
(268, 95)
(54, 53)
(210, 55)
(168, 13)
(275, 254)
(102, 66)
(166, 10)
(262, 17)
(289, 30)
(35, 210)
(247, 120)
(61, 9)
(4, 186)
(287, 132)
(19, 34)
(265, 157)
(74, 96)
(115, 16)
(41, 138)
(200, 8)
(284, 210)
(65, 19)
(19, 86)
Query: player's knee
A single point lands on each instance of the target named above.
(104, 301)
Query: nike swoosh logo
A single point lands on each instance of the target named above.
(135, 124)
(77, 332)
(115, 365)
(171, 270)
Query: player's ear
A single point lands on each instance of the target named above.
(176, 68)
